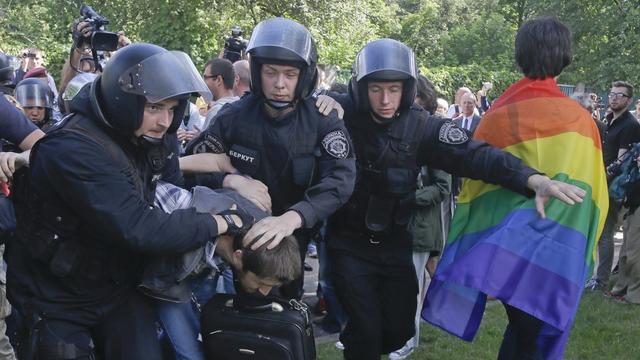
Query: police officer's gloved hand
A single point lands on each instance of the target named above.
(232, 227)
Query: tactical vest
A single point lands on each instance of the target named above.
(385, 185)
(52, 232)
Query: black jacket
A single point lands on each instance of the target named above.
(305, 159)
(435, 142)
(90, 225)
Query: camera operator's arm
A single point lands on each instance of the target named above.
(123, 40)
(81, 34)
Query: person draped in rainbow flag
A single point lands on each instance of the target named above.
(534, 262)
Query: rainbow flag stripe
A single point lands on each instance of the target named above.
(498, 245)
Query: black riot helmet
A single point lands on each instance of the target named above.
(6, 68)
(384, 60)
(141, 73)
(33, 92)
(282, 41)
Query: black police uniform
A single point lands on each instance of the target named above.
(88, 227)
(370, 245)
(305, 158)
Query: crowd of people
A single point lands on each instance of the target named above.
(142, 188)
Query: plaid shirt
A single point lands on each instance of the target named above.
(170, 198)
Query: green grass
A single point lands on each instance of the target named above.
(604, 329)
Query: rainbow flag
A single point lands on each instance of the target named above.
(498, 245)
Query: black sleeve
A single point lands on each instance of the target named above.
(630, 135)
(14, 125)
(210, 140)
(337, 173)
(446, 146)
(81, 174)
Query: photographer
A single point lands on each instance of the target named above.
(83, 31)
(235, 46)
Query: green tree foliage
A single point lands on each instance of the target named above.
(457, 42)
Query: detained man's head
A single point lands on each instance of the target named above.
(258, 271)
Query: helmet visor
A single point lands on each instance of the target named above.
(386, 59)
(34, 95)
(282, 39)
(163, 76)
(76, 84)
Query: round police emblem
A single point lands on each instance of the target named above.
(336, 144)
(451, 134)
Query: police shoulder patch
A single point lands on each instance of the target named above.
(451, 134)
(336, 144)
(210, 143)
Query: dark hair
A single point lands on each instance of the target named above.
(281, 263)
(543, 48)
(624, 84)
(224, 68)
(427, 94)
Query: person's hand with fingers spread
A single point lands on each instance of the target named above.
(546, 188)
(10, 162)
(326, 104)
(272, 229)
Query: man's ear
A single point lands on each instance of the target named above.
(236, 259)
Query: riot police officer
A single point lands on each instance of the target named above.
(370, 245)
(36, 100)
(276, 135)
(88, 224)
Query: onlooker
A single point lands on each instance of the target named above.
(482, 100)
(622, 129)
(627, 285)
(220, 77)
(468, 118)
(441, 110)
(636, 112)
(455, 110)
(242, 84)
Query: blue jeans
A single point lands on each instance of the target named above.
(181, 321)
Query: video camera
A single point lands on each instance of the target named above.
(101, 40)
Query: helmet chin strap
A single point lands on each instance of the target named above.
(279, 105)
(148, 141)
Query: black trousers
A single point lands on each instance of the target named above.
(378, 292)
(128, 332)
(519, 342)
